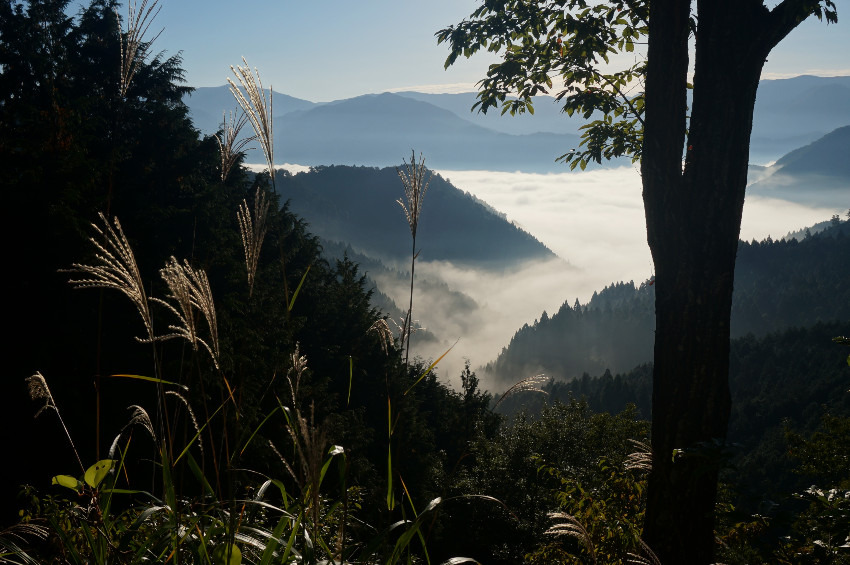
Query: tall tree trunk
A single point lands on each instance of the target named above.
(693, 213)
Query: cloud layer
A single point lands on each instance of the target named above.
(593, 220)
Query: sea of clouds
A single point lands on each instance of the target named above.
(592, 220)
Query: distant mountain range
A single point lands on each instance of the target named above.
(379, 129)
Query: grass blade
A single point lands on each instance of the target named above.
(151, 379)
(430, 368)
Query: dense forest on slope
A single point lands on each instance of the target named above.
(358, 205)
(778, 284)
(785, 380)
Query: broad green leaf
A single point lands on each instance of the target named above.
(332, 452)
(97, 472)
(199, 475)
(66, 481)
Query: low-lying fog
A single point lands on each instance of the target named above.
(593, 221)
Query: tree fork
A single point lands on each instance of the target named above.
(693, 215)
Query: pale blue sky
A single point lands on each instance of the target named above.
(336, 49)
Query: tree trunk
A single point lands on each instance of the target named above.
(693, 216)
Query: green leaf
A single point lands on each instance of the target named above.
(247, 443)
(199, 475)
(297, 290)
(151, 379)
(220, 556)
(430, 367)
(67, 481)
(97, 472)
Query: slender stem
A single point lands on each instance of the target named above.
(409, 320)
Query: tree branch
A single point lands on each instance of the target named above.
(791, 13)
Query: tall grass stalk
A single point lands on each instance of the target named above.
(253, 229)
(39, 391)
(415, 186)
(115, 268)
(190, 290)
(133, 46)
(229, 145)
(528, 384)
(257, 107)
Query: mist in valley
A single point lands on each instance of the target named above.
(593, 221)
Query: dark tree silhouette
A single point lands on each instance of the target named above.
(693, 209)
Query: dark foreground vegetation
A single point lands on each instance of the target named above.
(194, 406)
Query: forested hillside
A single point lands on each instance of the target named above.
(782, 382)
(778, 284)
(357, 205)
(237, 376)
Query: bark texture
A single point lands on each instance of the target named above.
(693, 213)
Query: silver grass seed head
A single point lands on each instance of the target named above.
(296, 370)
(38, 390)
(229, 145)
(570, 526)
(139, 417)
(191, 412)
(285, 463)
(256, 106)
(415, 186)
(190, 289)
(115, 268)
(133, 47)
(528, 384)
(640, 460)
(385, 336)
(253, 228)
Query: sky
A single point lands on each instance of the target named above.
(336, 49)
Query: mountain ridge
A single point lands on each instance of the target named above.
(789, 113)
(358, 205)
